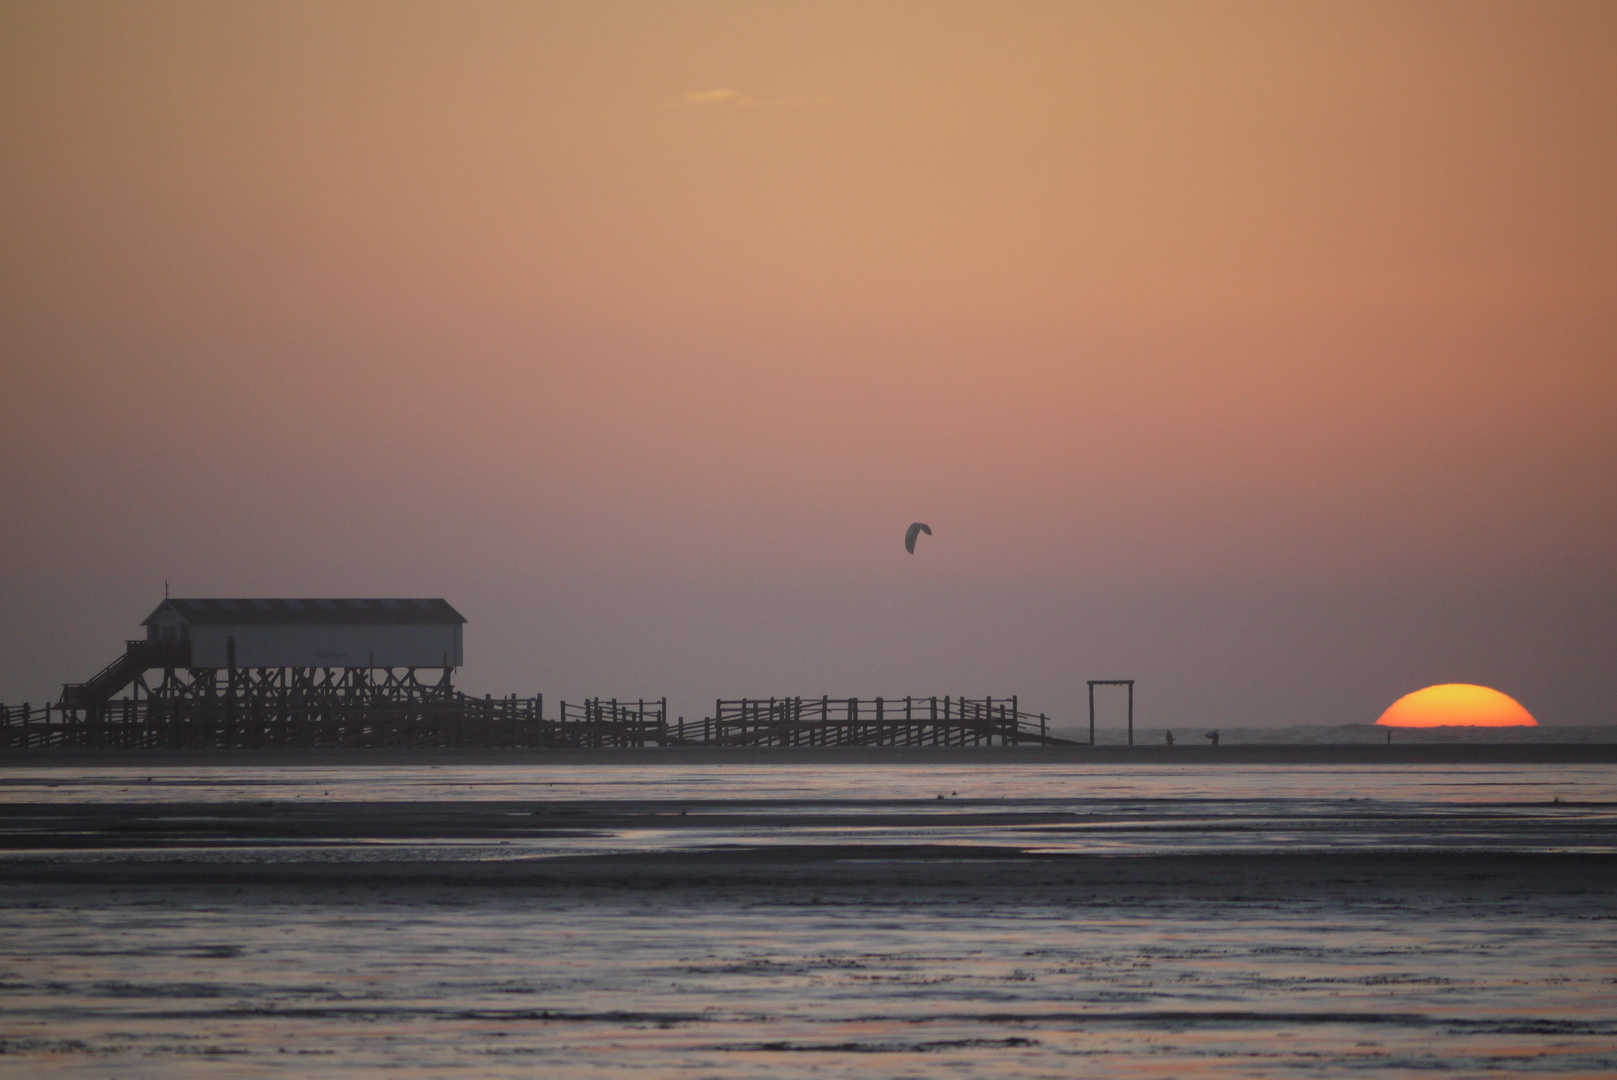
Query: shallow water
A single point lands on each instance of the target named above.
(152, 985)
(1445, 784)
(741, 980)
(1098, 809)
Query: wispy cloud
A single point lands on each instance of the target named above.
(736, 99)
(709, 97)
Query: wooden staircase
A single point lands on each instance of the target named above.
(139, 657)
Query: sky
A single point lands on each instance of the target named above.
(1264, 353)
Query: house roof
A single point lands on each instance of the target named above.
(308, 612)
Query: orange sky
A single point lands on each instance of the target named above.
(522, 303)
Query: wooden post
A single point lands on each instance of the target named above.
(1091, 714)
(1131, 712)
(230, 688)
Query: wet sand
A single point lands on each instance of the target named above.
(622, 919)
(915, 872)
(725, 843)
(1170, 968)
(1241, 754)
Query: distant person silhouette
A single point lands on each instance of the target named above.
(1213, 737)
(1170, 738)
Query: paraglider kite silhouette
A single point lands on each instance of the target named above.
(912, 532)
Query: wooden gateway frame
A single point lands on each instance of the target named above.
(1110, 682)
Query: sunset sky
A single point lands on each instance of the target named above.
(1264, 353)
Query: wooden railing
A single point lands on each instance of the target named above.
(298, 719)
(139, 656)
(330, 715)
(906, 721)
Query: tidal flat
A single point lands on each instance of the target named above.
(598, 920)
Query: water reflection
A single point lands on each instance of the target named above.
(743, 977)
(148, 984)
(596, 809)
(780, 785)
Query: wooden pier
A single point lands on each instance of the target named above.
(308, 709)
(906, 721)
(233, 674)
(357, 708)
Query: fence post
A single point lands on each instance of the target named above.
(1131, 712)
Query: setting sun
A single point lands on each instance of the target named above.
(1456, 704)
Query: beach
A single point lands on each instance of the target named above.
(1404, 752)
(969, 916)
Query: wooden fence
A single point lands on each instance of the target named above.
(299, 713)
(907, 721)
(286, 719)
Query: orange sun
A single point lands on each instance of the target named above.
(1458, 704)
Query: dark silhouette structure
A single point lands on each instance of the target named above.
(329, 674)
(1110, 682)
(906, 721)
(326, 709)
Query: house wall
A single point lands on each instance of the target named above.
(166, 620)
(428, 646)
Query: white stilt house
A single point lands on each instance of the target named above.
(311, 633)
